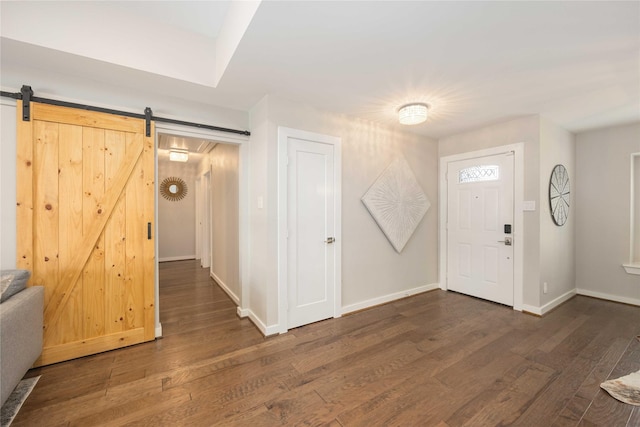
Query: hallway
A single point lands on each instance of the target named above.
(190, 302)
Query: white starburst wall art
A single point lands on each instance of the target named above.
(397, 203)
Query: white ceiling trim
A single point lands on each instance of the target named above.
(141, 44)
(233, 28)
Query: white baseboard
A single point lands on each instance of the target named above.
(176, 258)
(225, 288)
(609, 297)
(388, 298)
(264, 329)
(532, 309)
(541, 311)
(159, 330)
(632, 268)
(245, 312)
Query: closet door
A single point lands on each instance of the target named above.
(85, 192)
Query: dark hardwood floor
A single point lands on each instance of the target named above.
(435, 359)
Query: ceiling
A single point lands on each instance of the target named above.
(476, 63)
(196, 147)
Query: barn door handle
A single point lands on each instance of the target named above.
(330, 240)
(148, 231)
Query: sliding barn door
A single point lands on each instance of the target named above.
(85, 192)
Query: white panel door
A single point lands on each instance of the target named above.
(311, 226)
(479, 214)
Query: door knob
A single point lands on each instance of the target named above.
(330, 240)
(506, 241)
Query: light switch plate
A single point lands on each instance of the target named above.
(529, 205)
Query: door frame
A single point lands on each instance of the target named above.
(198, 217)
(206, 241)
(518, 216)
(284, 134)
(243, 202)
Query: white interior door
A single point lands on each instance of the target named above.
(311, 226)
(480, 211)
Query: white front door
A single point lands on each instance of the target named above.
(480, 227)
(311, 229)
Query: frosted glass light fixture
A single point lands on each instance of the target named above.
(412, 114)
(178, 156)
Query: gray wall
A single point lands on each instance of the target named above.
(225, 265)
(549, 252)
(177, 219)
(371, 269)
(526, 130)
(557, 244)
(603, 209)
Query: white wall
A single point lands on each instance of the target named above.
(224, 218)
(371, 269)
(636, 192)
(258, 279)
(177, 219)
(557, 244)
(8, 185)
(527, 130)
(603, 212)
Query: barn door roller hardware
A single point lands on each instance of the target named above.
(147, 120)
(26, 95)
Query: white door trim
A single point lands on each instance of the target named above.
(243, 201)
(518, 217)
(199, 217)
(206, 238)
(284, 134)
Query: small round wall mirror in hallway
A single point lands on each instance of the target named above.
(173, 188)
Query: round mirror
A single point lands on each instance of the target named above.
(173, 188)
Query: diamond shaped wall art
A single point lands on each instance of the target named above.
(397, 203)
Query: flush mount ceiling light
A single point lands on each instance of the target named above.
(178, 155)
(412, 114)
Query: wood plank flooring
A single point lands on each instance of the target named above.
(435, 359)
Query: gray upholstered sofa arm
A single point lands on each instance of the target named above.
(21, 320)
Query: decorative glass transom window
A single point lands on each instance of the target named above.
(479, 173)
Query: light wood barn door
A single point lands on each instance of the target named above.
(85, 192)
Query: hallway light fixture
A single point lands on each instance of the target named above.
(412, 114)
(178, 155)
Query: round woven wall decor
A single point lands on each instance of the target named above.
(173, 189)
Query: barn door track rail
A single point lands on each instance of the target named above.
(26, 95)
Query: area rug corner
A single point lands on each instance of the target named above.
(15, 400)
(626, 389)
